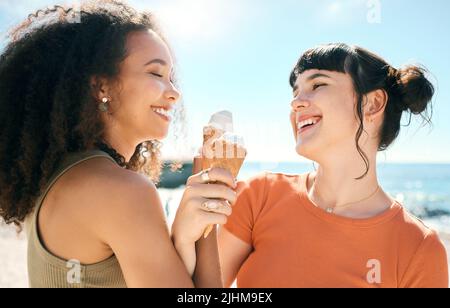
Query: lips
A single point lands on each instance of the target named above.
(306, 123)
(162, 113)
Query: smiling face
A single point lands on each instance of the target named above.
(145, 94)
(323, 113)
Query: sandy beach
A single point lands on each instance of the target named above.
(13, 258)
(13, 266)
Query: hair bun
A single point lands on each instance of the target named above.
(414, 89)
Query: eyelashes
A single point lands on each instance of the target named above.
(157, 75)
(316, 86)
(161, 76)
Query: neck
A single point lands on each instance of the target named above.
(335, 184)
(122, 146)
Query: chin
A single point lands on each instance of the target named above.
(306, 150)
(160, 136)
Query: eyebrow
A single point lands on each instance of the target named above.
(159, 61)
(312, 77)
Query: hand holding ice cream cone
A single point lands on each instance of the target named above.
(221, 148)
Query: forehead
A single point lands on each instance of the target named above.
(146, 46)
(311, 74)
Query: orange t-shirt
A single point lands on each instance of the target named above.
(296, 244)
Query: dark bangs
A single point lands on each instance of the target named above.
(332, 57)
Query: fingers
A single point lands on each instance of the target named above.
(213, 219)
(211, 191)
(215, 206)
(215, 175)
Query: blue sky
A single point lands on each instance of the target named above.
(237, 55)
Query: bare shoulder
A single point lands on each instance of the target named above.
(126, 201)
(100, 189)
(115, 188)
(127, 217)
(128, 193)
(100, 178)
(97, 198)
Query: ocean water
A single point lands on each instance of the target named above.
(424, 189)
(421, 187)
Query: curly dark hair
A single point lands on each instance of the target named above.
(408, 88)
(47, 103)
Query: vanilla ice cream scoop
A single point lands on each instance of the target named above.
(222, 120)
(220, 123)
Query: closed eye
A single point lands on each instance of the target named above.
(316, 86)
(157, 75)
(161, 76)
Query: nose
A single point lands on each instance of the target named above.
(298, 103)
(172, 94)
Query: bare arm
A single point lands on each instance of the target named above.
(207, 272)
(233, 252)
(201, 255)
(133, 224)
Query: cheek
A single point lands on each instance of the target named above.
(142, 89)
(339, 114)
(153, 89)
(341, 124)
(136, 98)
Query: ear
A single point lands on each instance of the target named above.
(100, 88)
(375, 104)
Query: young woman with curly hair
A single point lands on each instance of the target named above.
(85, 97)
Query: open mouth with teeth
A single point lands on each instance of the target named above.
(162, 113)
(307, 124)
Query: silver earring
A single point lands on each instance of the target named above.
(103, 106)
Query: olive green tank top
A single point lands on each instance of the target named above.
(46, 270)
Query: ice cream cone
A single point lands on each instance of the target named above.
(232, 164)
(221, 150)
(232, 158)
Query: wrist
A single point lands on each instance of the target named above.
(180, 243)
(187, 253)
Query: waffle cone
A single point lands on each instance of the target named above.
(231, 164)
(226, 156)
(220, 154)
